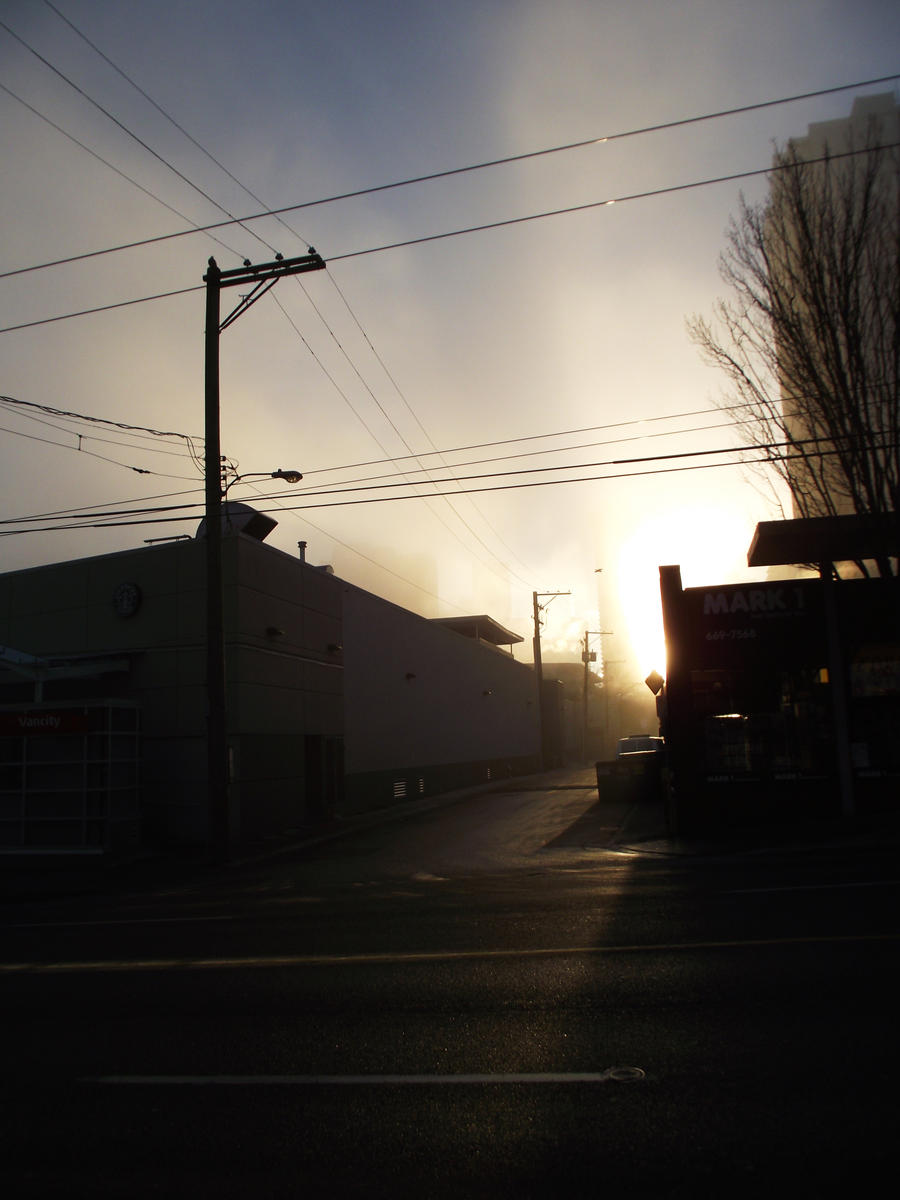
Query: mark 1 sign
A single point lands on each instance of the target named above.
(776, 598)
(723, 625)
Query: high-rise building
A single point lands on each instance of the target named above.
(832, 240)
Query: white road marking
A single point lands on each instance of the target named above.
(814, 887)
(431, 956)
(611, 1075)
(112, 921)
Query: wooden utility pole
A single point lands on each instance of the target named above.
(259, 279)
(539, 669)
(588, 656)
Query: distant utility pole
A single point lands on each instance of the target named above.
(259, 279)
(538, 663)
(588, 656)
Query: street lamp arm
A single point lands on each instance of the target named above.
(289, 476)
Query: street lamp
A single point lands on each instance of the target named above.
(288, 477)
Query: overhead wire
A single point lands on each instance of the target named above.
(28, 410)
(434, 449)
(373, 562)
(87, 312)
(352, 466)
(368, 191)
(72, 431)
(32, 437)
(180, 174)
(124, 75)
(739, 451)
(550, 450)
(425, 482)
(150, 100)
(471, 229)
(130, 133)
(343, 489)
(141, 432)
(106, 163)
(654, 192)
(669, 470)
(534, 437)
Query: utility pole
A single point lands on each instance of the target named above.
(539, 666)
(588, 656)
(260, 279)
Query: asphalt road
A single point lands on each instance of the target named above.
(506, 996)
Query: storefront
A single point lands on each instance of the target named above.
(782, 698)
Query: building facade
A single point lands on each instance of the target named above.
(336, 700)
(782, 699)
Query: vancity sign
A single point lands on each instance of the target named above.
(43, 721)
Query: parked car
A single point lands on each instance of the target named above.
(639, 743)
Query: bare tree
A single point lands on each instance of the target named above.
(809, 335)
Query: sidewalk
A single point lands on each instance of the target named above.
(38, 877)
(606, 825)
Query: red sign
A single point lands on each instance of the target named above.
(43, 721)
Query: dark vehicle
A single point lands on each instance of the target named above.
(639, 743)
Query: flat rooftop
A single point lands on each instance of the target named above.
(824, 540)
(482, 628)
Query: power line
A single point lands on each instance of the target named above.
(494, 488)
(434, 449)
(106, 163)
(203, 150)
(168, 116)
(79, 512)
(87, 312)
(768, 447)
(387, 417)
(608, 203)
(90, 437)
(89, 509)
(253, 196)
(534, 437)
(343, 489)
(61, 412)
(32, 437)
(275, 212)
(368, 559)
(141, 91)
(436, 237)
(28, 409)
(120, 125)
(666, 433)
(450, 503)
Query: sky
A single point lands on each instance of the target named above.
(562, 334)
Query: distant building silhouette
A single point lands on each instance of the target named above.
(827, 281)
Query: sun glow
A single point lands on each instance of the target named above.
(709, 544)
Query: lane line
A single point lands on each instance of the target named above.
(102, 922)
(435, 956)
(814, 887)
(611, 1075)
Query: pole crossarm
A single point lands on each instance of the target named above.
(260, 277)
(259, 272)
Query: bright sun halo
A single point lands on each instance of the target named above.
(708, 543)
